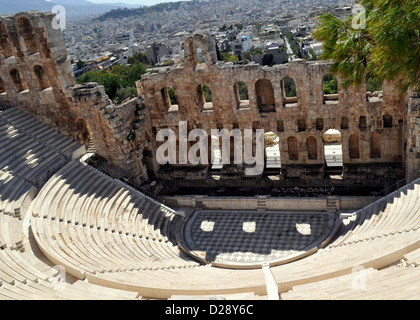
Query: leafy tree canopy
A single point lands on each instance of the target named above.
(120, 76)
(383, 41)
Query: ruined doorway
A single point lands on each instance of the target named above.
(41, 77)
(216, 153)
(333, 151)
(292, 147)
(272, 151)
(265, 96)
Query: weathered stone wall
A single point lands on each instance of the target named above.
(110, 127)
(35, 69)
(379, 134)
(371, 122)
(36, 75)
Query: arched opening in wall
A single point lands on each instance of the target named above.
(216, 153)
(204, 96)
(5, 48)
(17, 81)
(208, 100)
(319, 124)
(84, 134)
(344, 123)
(280, 126)
(362, 122)
(200, 96)
(199, 52)
(169, 99)
(165, 98)
(2, 87)
(374, 88)
(375, 145)
(301, 125)
(174, 106)
(292, 147)
(289, 93)
(333, 151)
(312, 148)
(265, 96)
(272, 151)
(354, 148)
(387, 120)
(330, 89)
(41, 77)
(26, 31)
(241, 95)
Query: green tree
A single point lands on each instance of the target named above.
(233, 58)
(125, 93)
(80, 64)
(172, 96)
(229, 57)
(120, 76)
(207, 93)
(387, 46)
(139, 57)
(373, 84)
(330, 85)
(289, 87)
(255, 50)
(243, 91)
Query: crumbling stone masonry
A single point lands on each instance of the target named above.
(372, 125)
(379, 133)
(36, 76)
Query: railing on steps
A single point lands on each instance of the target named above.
(399, 184)
(138, 188)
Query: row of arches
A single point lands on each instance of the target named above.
(311, 146)
(272, 147)
(264, 91)
(20, 83)
(25, 29)
(353, 147)
(293, 148)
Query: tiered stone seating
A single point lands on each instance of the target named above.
(15, 194)
(116, 243)
(396, 213)
(112, 235)
(25, 274)
(92, 223)
(368, 285)
(30, 153)
(378, 236)
(31, 150)
(165, 283)
(104, 230)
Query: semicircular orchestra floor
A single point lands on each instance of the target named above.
(249, 239)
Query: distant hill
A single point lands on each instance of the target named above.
(73, 2)
(10, 7)
(119, 13)
(74, 8)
